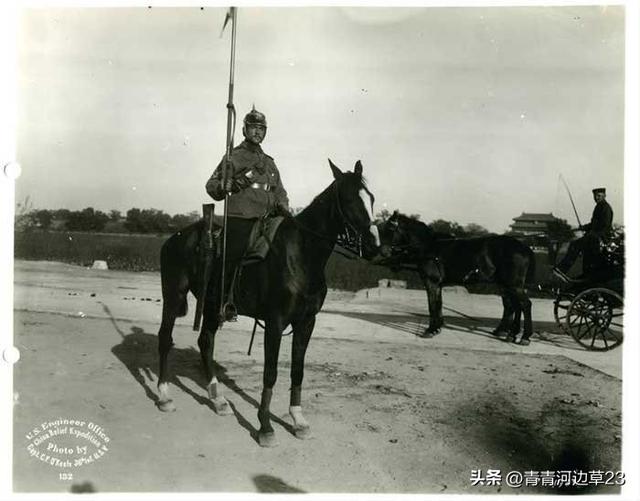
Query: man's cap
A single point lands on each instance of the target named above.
(599, 190)
(254, 117)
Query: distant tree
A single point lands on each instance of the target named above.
(23, 220)
(181, 220)
(147, 221)
(475, 230)
(61, 214)
(42, 218)
(87, 219)
(448, 227)
(115, 215)
(415, 216)
(560, 231)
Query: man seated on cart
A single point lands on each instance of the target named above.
(596, 232)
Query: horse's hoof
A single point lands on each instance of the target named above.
(510, 339)
(166, 406)
(499, 333)
(221, 406)
(302, 432)
(267, 439)
(525, 342)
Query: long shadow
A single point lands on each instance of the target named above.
(415, 323)
(138, 352)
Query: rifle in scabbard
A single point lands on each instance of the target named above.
(207, 248)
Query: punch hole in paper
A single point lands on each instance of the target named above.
(12, 170)
(11, 355)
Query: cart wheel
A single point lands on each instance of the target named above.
(560, 307)
(594, 319)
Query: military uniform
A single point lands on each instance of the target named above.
(598, 230)
(256, 192)
(261, 189)
(601, 220)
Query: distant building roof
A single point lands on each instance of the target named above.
(529, 226)
(532, 216)
(532, 223)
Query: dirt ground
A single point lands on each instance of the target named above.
(390, 412)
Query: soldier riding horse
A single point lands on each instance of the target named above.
(287, 288)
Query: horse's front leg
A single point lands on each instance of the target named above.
(433, 288)
(434, 292)
(302, 330)
(272, 338)
(525, 306)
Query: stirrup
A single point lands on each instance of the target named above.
(229, 312)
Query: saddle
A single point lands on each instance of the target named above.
(258, 247)
(260, 239)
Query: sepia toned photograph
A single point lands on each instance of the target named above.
(321, 249)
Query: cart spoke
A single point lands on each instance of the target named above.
(579, 333)
(593, 337)
(604, 338)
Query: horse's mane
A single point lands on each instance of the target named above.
(420, 229)
(348, 177)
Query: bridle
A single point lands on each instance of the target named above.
(407, 250)
(350, 238)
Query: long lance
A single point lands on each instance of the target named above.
(231, 124)
(570, 198)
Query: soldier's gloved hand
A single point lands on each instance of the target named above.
(230, 187)
(242, 182)
(280, 210)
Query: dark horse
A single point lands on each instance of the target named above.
(441, 259)
(287, 288)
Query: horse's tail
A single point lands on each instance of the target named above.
(531, 270)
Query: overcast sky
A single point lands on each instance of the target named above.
(467, 114)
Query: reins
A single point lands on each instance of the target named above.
(346, 226)
(331, 240)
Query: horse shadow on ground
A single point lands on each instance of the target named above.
(415, 323)
(138, 352)
(269, 483)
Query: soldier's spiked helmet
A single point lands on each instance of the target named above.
(254, 117)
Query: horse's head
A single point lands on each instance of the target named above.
(393, 234)
(355, 206)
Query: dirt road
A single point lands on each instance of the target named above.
(390, 412)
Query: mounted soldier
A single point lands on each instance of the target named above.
(597, 232)
(253, 180)
(254, 187)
